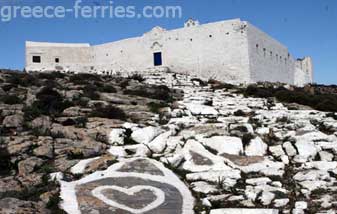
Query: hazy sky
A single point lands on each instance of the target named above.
(306, 27)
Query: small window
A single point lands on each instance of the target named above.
(257, 45)
(57, 60)
(191, 40)
(36, 59)
(210, 36)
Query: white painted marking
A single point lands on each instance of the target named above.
(160, 197)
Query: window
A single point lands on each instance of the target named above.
(157, 58)
(210, 36)
(57, 60)
(36, 59)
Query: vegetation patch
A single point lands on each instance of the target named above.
(110, 112)
(155, 92)
(10, 99)
(318, 101)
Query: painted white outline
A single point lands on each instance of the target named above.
(160, 197)
(68, 189)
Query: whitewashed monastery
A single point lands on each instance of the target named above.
(233, 51)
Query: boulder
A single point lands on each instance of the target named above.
(27, 166)
(42, 123)
(146, 135)
(14, 206)
(224, 144)
(13, 121)
(20, 145)
(9, 184)
(116, 137)
(45, 147)
(256, 147)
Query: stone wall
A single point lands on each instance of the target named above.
(304, 71)
(217, 50)
(233, 51)
(71, 57)
(269, 60)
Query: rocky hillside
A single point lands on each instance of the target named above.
(51, 121)
(163, 143)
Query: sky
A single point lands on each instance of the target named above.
(306, 27)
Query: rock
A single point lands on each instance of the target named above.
(244, 211)
(206, 202)
(244, 160)
(117, 151)
(19, 145)
(45, 147)
(146, 135)
(224, 144)
(229, 176)
(13, 121)
(43, 124)
(240, 129)
(266, 197)
(306, 151)
(116, 137)
(85, 148)
(256, 147)
(290, 149)
(204, 187)
(321, 165)
(258, 181)
(27, 166)
(81, 165)
(302, 205)
(158, 145)
(9, 184)
(16, 206)
(72, 112)
(325, 156)
(281, 202)
(100, 163)
(72, 94)
(276, 151)
(197, 109)
(32, 179)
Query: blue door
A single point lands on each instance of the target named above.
(157, 59)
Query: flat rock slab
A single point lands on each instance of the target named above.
(132, 186)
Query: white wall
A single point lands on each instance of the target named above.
(270, 61)
(215, 50)
(223, 50)
(73, 57)
(304, 71)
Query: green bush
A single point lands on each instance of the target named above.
(23, 79)
(107, 89)
(155, 92)
(83, 79)
(155, 107)
(255, 91)
(51, 75)
(49, 102)
(10, 99)
(110, 112)
(5, 160)
(79, 122)
(90, 91)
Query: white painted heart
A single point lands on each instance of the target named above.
(159, 194)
